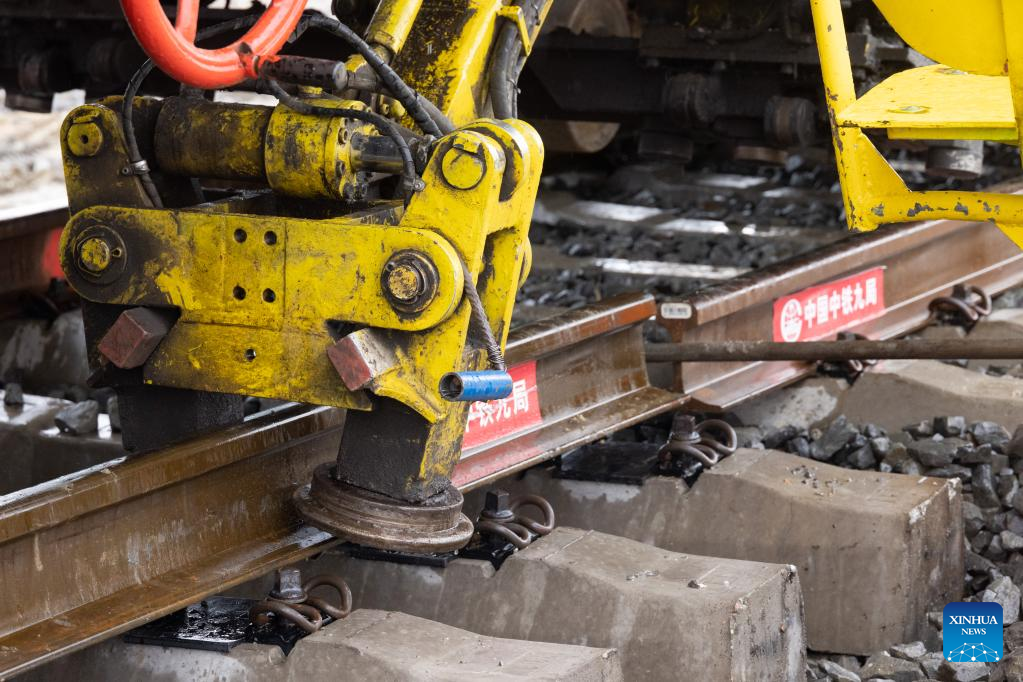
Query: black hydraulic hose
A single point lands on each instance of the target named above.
(504, 73)
(138, 165)
(438, 116)
(508, 60)
(409, 98)
(385, 125)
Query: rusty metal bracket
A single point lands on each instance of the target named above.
(502, 518)
(702, 442)
(290, 601)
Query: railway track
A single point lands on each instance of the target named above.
(579, 358)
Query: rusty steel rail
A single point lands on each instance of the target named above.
(102, 550)
(97, 552)
(921, 261)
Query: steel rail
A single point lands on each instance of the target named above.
(590, 382)
(29, 257)
(97, 552)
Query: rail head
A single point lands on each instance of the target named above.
(109, 484)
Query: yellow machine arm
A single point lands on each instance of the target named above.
(355, 260)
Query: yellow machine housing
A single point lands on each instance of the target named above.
(974, 93)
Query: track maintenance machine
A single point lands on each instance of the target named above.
(358, 245)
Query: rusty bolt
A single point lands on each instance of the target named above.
(134, 336)
(409, 280)
(463, 165)
(288, 586)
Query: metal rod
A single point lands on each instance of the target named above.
(822, 351)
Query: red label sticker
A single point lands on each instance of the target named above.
(496, 419)
(821, 311)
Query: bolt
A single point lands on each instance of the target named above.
(463, 166)
(95, 255)
(497, 505)
(404, 281)
(683, 429)
(288, 587)
(409, 280)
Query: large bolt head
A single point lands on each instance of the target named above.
(463, 166)
(405, 282)
(95, 255)
(409, 280)
(497, 505)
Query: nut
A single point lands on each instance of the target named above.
(409, 280)
(97, 256)
(94, 255)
